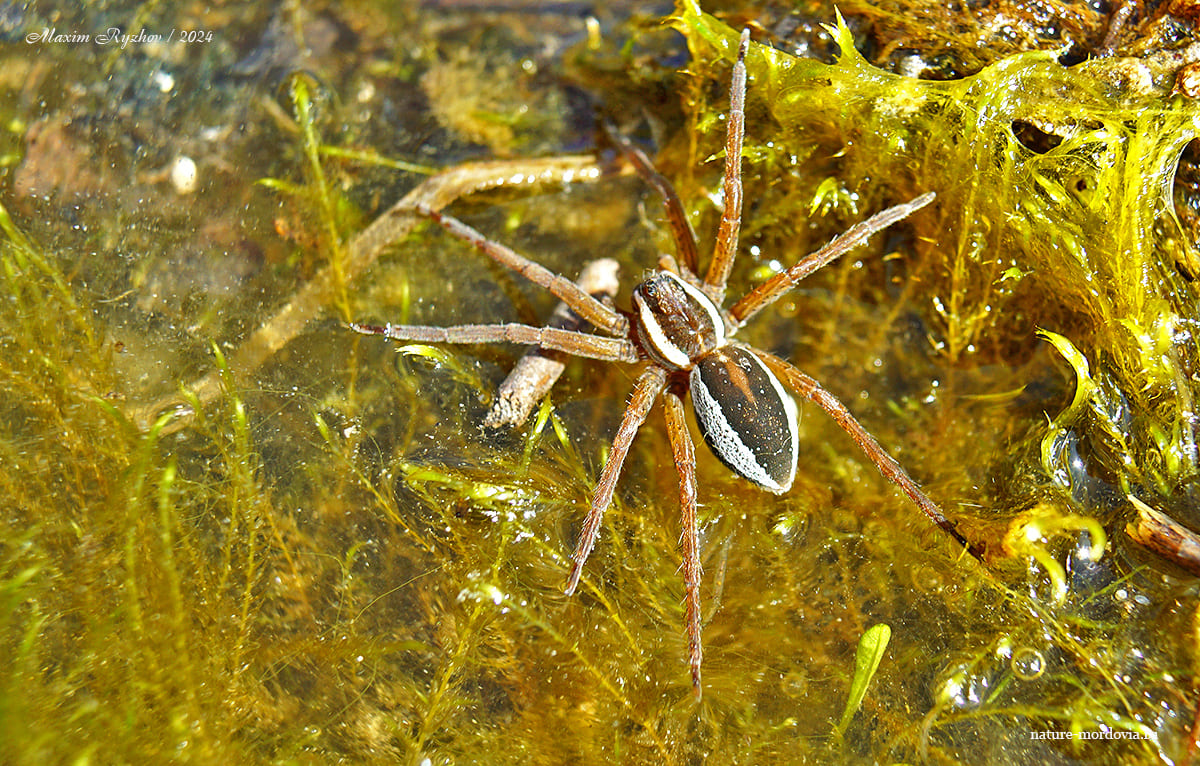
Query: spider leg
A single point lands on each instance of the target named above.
(770, 291)
(601, 316)
(731, 217)
(538, 369)
(681, 227)
(685, 464)
(575, 343)
(887, 465)
(647, 388)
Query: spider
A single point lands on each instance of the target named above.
(679, 331)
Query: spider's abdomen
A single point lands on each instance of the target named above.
(747, 418)
(676, 324)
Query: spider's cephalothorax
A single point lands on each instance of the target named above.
(676, 323)
(681, 335)
(747, 418)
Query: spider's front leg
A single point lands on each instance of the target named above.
(774, 288)
(731, 217)
(681, 227)
(588, 308)
(536, 372)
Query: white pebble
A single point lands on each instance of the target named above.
(183, 175)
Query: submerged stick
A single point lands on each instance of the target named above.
(310, 301)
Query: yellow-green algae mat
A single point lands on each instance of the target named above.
(1081, 239)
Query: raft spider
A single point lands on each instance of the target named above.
(679, 331)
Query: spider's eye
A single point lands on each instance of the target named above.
(747, 418)
(676, 323)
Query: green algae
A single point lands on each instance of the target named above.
(333, 561)
(1077, 236)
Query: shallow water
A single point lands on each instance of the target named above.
(312, 550)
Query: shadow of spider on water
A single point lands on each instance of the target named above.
(679, 332)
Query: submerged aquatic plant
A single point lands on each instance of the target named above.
(332, 560)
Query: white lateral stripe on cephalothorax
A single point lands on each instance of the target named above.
(658, 337)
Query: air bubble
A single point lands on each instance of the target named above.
(1028, 664)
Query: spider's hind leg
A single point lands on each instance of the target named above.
(649, 385)
(813, 391)
(685, 464)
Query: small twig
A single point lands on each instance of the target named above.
(1165, 536)
(537, 371)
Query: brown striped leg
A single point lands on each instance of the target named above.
(731, 217)
(685, 464)
(576, 343)
(538, 369)
(887, 465)
(649, 384)
(681, 227)
(770, 291)
(600, 316)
